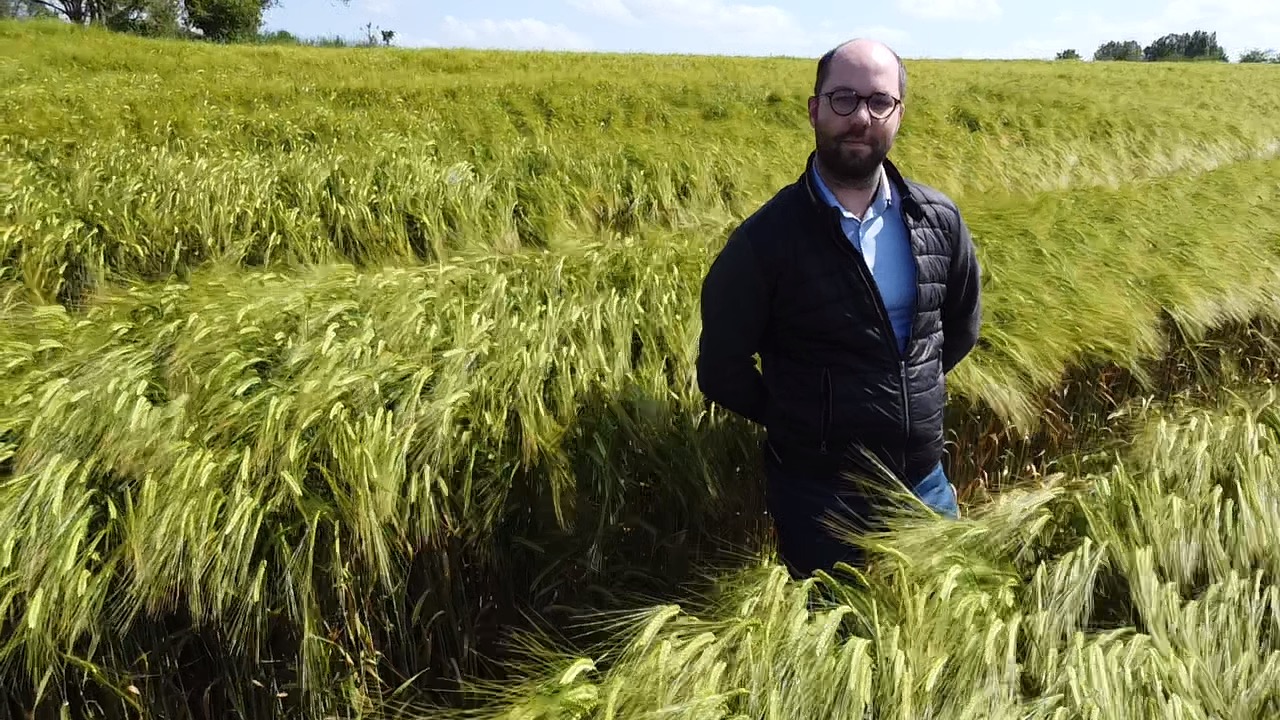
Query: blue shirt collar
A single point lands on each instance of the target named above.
(882, 201)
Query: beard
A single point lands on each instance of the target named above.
(852, 166)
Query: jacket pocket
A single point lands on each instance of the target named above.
(825, 401)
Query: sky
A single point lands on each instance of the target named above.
(802, 28)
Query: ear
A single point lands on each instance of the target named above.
(897, 116)
(813, 111)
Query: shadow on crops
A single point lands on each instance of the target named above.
(662, 497)
(660, 494)
(658, 497)
(1083, 413)
(666, 532)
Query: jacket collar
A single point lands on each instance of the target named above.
(883, 198)
(902, 190)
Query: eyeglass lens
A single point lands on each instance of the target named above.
(878, 104)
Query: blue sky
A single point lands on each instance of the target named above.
(806, 28)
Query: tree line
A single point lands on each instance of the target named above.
(240, 20)
(217, 20)
(1198, 46)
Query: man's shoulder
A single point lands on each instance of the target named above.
(928, 196)
(764, 236)
(773, 215)
(936, 209)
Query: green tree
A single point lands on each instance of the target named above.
(80, 12)
(154, 18)
(220, 20)
(1069, 54)
(1260, 56)
(227, 20)
(1119, 50)
(1199, 45)
(23, 9)
(145, 17)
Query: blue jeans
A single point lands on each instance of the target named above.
(798, 506)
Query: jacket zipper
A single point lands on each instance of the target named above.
(889, 335)
(906, 413)
(825, 425)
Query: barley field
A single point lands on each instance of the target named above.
(359, 383)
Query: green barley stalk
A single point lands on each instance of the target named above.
(1010, 612)
(314, 384)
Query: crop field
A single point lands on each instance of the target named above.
(360, 383)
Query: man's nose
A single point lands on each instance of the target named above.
(861, 117)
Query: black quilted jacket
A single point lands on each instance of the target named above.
(790, 287)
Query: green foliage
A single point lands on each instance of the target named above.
(1069, 54)
(1199, 45)
(226, 20)
(135, 171)
(1194, 46)
(1128, 50)
(151, 18)
(219, 20)
(1260, 56)
(23, 9)
(114, 14)
(315, 381)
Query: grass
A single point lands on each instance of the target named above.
(1145, 588)
(124, 169)
(316, 383)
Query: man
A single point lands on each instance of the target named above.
(859, 289)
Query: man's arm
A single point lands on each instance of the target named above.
(735, 310)
(962, 309)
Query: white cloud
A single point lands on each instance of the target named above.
(728, 27)
(384, 8)
(613, 10)
(724, 17)
(1233, 11)
(951, 9)
(523, 34)
(1035, 48)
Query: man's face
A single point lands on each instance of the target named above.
(851, 147)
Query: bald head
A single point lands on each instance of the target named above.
(866, 55)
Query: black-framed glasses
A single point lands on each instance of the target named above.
(846, 102)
